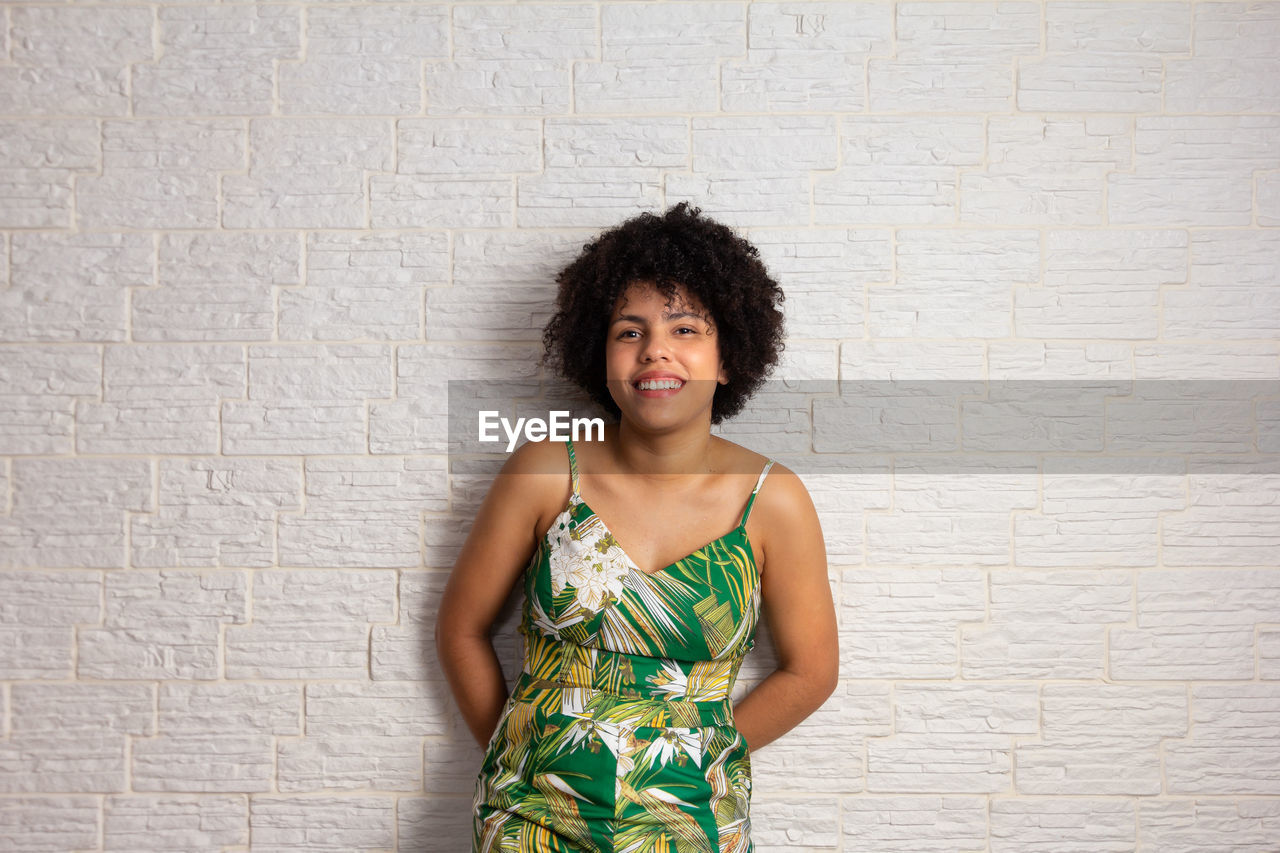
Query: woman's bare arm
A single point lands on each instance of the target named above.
(502, 539)
(796, 599)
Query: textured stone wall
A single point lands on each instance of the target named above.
(244, 245)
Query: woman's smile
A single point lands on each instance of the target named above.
(658, 385)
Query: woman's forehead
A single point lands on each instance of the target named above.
(680, 300)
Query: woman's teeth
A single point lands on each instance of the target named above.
(658, 384)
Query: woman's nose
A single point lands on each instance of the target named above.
(655, 346)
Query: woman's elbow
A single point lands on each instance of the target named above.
(816, 683)
(830, 681)
(824, 674)
(453, 636)
(825, 679)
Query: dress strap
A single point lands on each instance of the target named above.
(573, 466)
(746, 512)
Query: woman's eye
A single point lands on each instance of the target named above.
(623, 334)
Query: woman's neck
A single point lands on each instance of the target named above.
(664, 456)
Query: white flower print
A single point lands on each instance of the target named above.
(663, 748)
(629, 747)
(597, 581)
(581, 731)
(671, 679)
(589, 560)
(559, 537)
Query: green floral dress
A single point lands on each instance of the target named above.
(618, 736)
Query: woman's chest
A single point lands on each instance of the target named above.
(584, 587)
(656, 529)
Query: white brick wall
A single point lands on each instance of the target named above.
(244, 246)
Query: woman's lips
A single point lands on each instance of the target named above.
(664, 389)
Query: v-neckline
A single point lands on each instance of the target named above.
(665, 570)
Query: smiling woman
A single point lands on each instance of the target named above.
(680, 250)
(620, 733)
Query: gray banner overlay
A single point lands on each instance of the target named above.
(824, 427)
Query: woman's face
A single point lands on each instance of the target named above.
(662, 357)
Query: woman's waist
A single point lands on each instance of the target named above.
(633, 677)
(610, 708)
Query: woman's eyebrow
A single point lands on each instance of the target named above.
(675, 315)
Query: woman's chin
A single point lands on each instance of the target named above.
(662, 419)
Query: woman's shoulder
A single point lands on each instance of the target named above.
(788, 491)
(734, 459)
(543, 456)
(742, 460)
(782, 493)
(780, 509)
(537, 473)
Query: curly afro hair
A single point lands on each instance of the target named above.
(679, 247)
